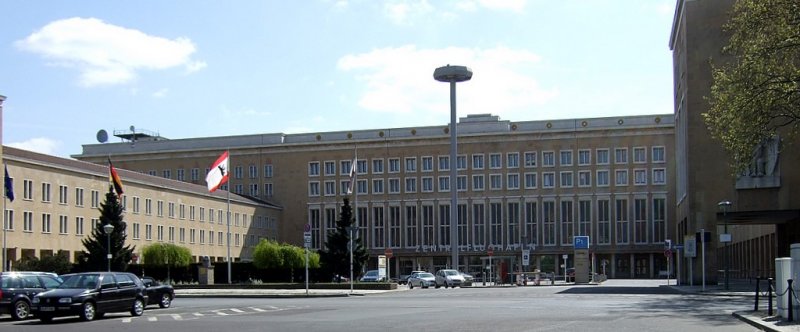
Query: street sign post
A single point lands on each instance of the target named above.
(526, 257)
(307, 244)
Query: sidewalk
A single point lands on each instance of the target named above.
(275, 293)
(759, 319)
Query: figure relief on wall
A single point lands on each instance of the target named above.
(765, 158)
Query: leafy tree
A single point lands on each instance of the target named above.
(57, 263)
(166, 254)
(94, 258)
(756, 92)
(269, 254)
(336, 257)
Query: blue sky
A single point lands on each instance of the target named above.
(212, 68)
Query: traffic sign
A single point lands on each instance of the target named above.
(581, 242)
(388, 252)
(526, 257)
(667, 253)
(490, 252)
(306, 228)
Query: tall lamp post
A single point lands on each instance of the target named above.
(350, 231)
(724, 206)
(108, 228)
(453, 75)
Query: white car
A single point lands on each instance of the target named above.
(421, 279)
(372, 276)
(449, 278)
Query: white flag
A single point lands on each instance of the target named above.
(218, 174)
(352, 177)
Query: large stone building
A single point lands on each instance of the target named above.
(57, 204)
(523, 184)
(764, 213)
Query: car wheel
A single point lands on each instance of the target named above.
(88, 312)
(138, 307)
(410, 285)
(166, 301)
(21, 310)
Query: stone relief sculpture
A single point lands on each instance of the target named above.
(765, 158)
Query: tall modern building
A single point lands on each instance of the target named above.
(522, 185)
(764, 213)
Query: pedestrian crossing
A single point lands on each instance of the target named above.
(154, 316)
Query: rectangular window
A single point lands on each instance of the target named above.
(62, 194)
(444, 184)
(621, 156)
(463, 227)
(195, 174)
(461, 183)
(640, 220)
(585, 218)
(427, 164)
(584, 157)
(238, 172)
(27, 190)
(639, 155)
(411, 185)
(461, 163)
(63, 224)
(314, 220)
(313, 188)
(46, 223)
(160, 232)
(313, 168)
(377, 186)
(602, 178)
(567, 222)
(268, 191)
(603, 221)
(79, 226)
(495, 181)
(136, 204)
(479, 224)
(411, 164)
(530, 181)
(180, 174)
(477, 161)
(640, 177)
(377, 166)
(411, 226)
(171, 209)
(496, 224)
(549, 222)
(659, 219)
(621, 177)
(548, 159)
(192, 235)
(330, 168)
(512, 181)
(268, 170)
(46, 192)
(477, 183)
(361, 166)
(171, 234)
(394, 186)
(136, 230)
(330, 188)
(548, 180)
(394, 165)
(427, 184)
(512, 160)
(659, 176)
(148, 206)
(427, 226)
(394, 227)
(584, 179)
(378, 227)
(8, 223)
(444, 163)
(621, 214)
(27, 221)
(602, 157)
(658, 154)
(513, 223)
(566, 179)
(361, 187)
(566, 157)
(495, 161)
(167, 174)
(530, 159)
(531, 219)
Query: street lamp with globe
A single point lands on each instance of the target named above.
(108, 229)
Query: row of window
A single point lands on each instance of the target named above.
(511, 224)
(79, 230)
(194, 173)
(172, 210)
(495, 161)
(549, 180)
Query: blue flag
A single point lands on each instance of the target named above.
(9, 185)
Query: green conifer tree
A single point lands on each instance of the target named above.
(94, 257)
(336, 257)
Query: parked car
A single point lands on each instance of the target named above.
(421, 279)
(18, 288)
(372, 276)
(467, 279)
(159, 293)
(449, 278)
(91, 295)
(403, 279)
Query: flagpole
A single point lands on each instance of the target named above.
(5, 220)
(229, 222)
(355, 202)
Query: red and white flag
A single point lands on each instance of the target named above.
(218, 174)
(352, 177)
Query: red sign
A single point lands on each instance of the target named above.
(490, 252)
(667, 253)
(388, 252)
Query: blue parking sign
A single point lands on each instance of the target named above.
(581, 242)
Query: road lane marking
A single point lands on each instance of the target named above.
(236, 310)
(177, 317)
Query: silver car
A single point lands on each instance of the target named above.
(449, 278)
(421, 279)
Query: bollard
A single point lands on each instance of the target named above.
(769, 296)
(790, 294)
(758, 283)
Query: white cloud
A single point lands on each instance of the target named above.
(512, 5)
(160, 93)
(401, 12)
(40, 144)
(400, 81)
(107, 54)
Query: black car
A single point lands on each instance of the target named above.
(91, 295)
(158, 292)
(18, 288)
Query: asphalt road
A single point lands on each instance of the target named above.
(634, 306)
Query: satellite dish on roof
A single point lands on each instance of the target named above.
(102, 136)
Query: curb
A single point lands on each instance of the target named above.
(263, 296)
(754, 323)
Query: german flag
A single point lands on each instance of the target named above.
(114, 178)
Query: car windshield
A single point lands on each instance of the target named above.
(424, 275)
(83, 281)
(451, 273)
(372, 273)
